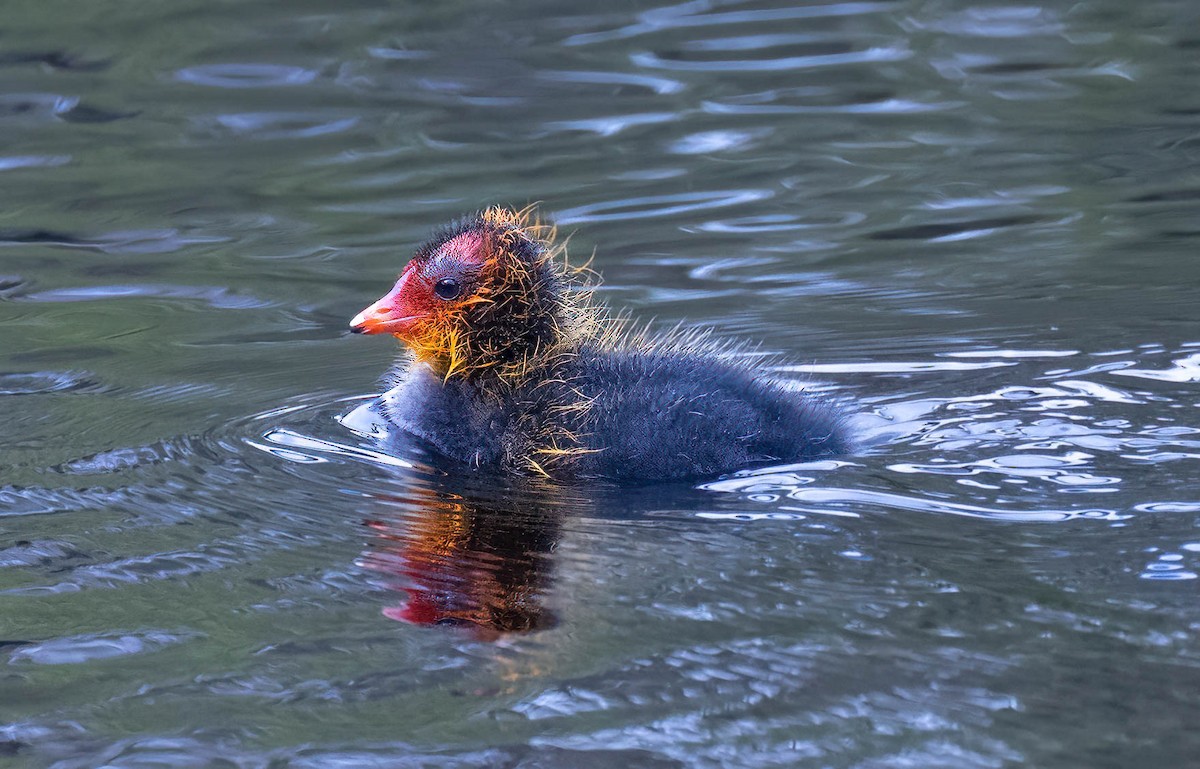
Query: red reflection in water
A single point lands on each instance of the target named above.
(482, 566)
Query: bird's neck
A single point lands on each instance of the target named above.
(519, 335)
(508, 361)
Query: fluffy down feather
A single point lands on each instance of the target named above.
(526, 373)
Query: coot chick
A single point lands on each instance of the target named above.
(514, 367)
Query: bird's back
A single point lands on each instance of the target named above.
(622, 414)
(668, 414)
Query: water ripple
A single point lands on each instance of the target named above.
(826, 501)
(1186, 369)
(245, 75)
(763, 104)
(997, 22)
(59, 60)
(88, 648)
(281, 125)
(116, 242)
(28, 500)
(33, 161)
(717, 141)
(659, 85)
(216, 296)
(38, 106)
(611, 125)
(778, 223)
(658, 205)
(951, 231)
(692, 14)
(1063, 470)
(894, 367)
(294, 447)
(870, 55)
(46, 382)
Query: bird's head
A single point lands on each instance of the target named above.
(484, 294)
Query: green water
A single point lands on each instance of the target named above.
(975, 224)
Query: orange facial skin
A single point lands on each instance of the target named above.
(412, 311)
(391, 314)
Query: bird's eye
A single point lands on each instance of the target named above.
(447, 288)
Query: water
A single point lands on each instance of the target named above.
(976, 223)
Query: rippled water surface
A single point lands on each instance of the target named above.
(976, 224)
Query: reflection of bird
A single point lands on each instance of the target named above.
(515, 368)
(483, 566)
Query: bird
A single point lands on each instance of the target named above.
(514, 366)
